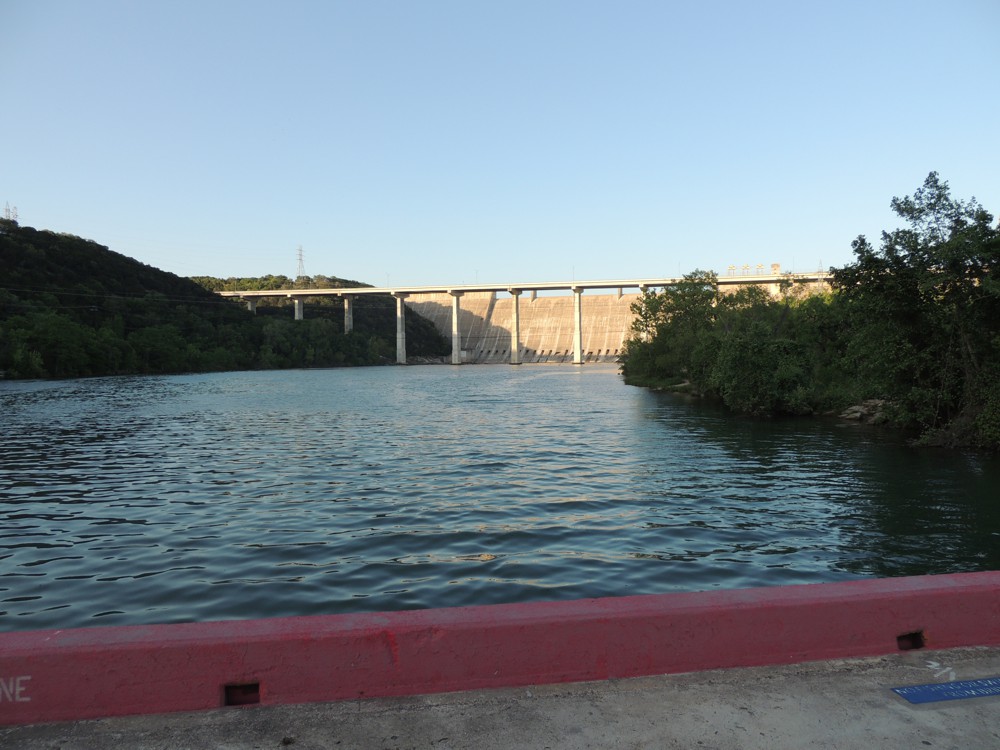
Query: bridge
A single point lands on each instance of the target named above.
(430, 297)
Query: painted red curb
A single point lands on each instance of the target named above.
(59, 675)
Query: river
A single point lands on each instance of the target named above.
(257, 494)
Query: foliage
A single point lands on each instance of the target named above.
(925, 311)
(915, 323)
(756, 354)
(70, 307)
(687, 311)
(373, 315)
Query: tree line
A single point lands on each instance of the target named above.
(70, 307)
(912, 325)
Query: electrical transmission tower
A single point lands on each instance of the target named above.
(302, 265)
(10, 212)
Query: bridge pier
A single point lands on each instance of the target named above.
(456, 335)
(348, 313)
(299, 308)
(577, 325)
(252, 306)
(515, 328)
(400, 327)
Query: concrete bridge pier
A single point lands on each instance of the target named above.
(577, 325)
(456, 335)
(515, 328)
(400, 327)
(299, 307)
(348, 313)
(252, 306)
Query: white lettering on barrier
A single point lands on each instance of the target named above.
(987, 686)
(13, 689)
(971, 693)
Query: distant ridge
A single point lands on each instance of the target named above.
(70, 307)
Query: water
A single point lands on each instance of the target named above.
(237, 495)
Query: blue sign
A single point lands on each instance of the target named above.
(950, 691)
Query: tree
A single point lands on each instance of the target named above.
(759, 368)
(672, 339)
(925, 316)
(915, 322)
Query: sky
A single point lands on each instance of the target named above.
(462, 141)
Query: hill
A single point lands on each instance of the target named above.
(70, 307)
(372, 315)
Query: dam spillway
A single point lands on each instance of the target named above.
(546, 325)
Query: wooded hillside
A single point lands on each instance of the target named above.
(70, 307)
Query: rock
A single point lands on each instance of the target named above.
(871, 411)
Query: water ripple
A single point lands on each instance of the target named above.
(170, 499)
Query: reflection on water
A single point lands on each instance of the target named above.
(165, 499)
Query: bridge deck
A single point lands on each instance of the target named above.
(529, 286)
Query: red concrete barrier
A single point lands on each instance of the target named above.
(57, 675)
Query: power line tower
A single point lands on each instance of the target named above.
(10, 212)
(302, 265)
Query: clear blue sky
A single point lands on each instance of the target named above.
(459, 141)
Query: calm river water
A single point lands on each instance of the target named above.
(236, 495)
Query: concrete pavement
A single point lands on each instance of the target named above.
(833, 704)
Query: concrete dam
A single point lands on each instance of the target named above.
(546, 325)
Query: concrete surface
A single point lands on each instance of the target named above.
(833, 704)
(546, 325)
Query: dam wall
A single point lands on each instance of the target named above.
(546, 325)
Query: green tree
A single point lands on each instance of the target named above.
(759, 368)
(925, 316)
(673, 338)
(915, 322)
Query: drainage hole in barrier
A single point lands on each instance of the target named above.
(242, 695)
(910, 641)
